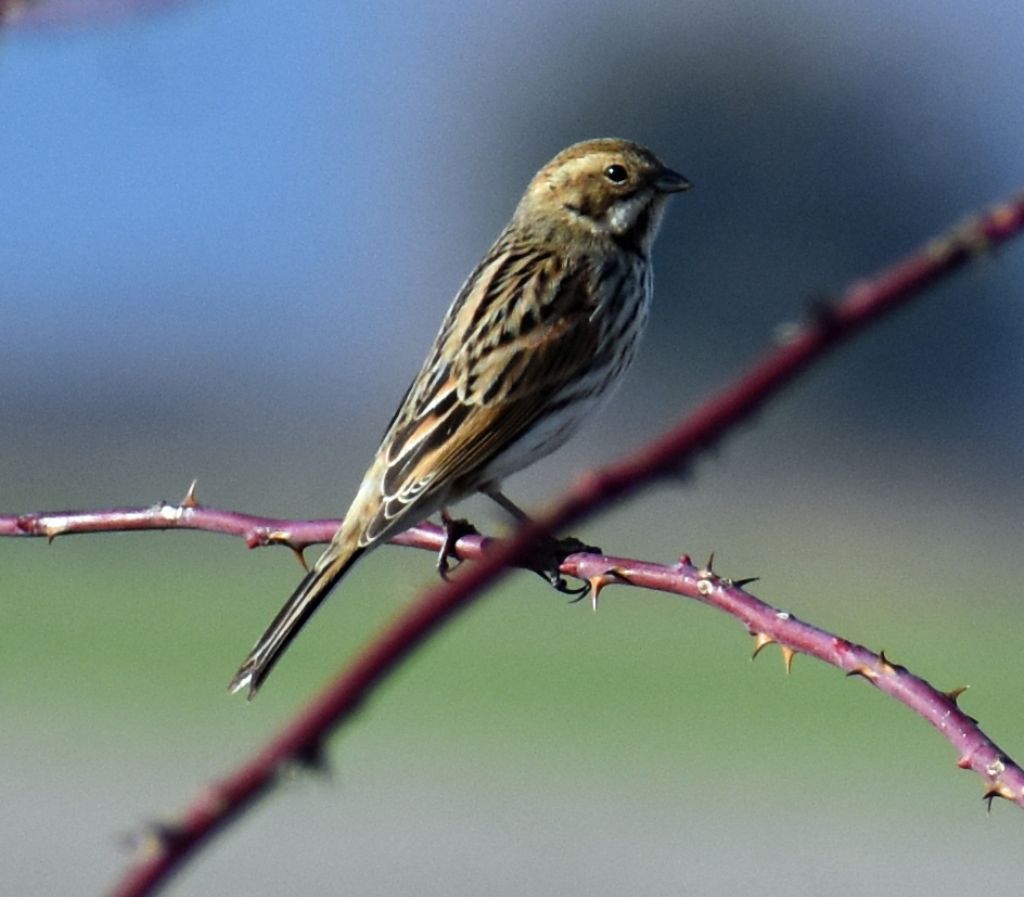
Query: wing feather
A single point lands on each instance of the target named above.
(473, 399)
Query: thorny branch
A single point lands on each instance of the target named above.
(303, 739)
(767, 624)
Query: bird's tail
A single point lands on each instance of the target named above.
(329, 568)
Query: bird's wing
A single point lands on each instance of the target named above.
(475, 398)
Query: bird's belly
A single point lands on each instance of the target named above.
(549, 433)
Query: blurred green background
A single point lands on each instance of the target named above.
(229, 231)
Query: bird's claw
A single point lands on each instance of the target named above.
(556, 551)
(558, 582)
(454, 529)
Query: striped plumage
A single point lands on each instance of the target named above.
(537, 337)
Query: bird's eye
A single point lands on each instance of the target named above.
(617, 174)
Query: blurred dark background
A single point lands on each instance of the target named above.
(228, 232)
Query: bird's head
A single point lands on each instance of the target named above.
(604, 189)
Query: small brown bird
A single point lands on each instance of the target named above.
(537, 337)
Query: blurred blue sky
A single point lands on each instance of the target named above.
(222, 194)
(259, 215)
(222, 191)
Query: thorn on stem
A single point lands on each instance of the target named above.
(560, 585)
(761, 640)
(313, 758)
(190, 500)
(787, 657)
(864, 672)
(888, 667)
(600, 580)
(153, 837)
(997, 789)
(821, 312)
(740, 583)
(261, 536)
(708, 570)
(706, 576)
(954, 694)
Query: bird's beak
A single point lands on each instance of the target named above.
(670, 181)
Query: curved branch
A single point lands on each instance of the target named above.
(829, 326)
(769, 625)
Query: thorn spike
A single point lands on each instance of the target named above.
(190, 500)
(954, 693)
(156, 837)
(600, 580)
(997, 790)
(312, 758)
(761, 640)
(787, 657)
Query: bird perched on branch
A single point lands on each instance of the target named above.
(538, 336)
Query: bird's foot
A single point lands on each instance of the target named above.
(549, 559)
(454, 529)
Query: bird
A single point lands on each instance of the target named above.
(534, 342)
